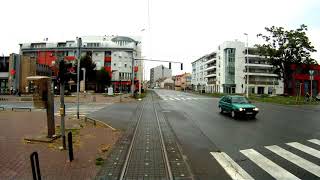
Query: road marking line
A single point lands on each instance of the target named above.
(177, 99)
(171, 99)
(307, 165)
(231, 167)
(194, 98)
(306, 149)
(183, 99)
(189, 98)
(164, 99)
(315, 141)
(267, 165)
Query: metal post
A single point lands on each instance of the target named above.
(79, 42)
(132, 76)
(140, 81)
(70, 146)
(84, 78)
(247, 87)
(62, 115)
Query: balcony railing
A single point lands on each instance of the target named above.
(264, 82)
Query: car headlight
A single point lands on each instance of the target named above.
(241, 109)
(256, 109)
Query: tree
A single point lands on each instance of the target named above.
(283, 48)
(103, 79)
(90, 66)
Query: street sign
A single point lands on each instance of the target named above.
(311, 72)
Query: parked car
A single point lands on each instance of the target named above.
(238, 106)
(318, 97)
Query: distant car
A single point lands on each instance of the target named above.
(238, 106)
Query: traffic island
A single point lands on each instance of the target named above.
(89, 143)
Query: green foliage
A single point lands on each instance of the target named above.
(103, 77)
(283, 48)
(87, 63)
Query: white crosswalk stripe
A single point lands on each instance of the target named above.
(231, 167)
(307, 165)
(306, 149)
(270, 167)
(315, 141)
(235, 171)
(180, 98)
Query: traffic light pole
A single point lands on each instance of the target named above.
(62, 115)
(79, 42)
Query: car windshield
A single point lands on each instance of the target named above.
(240, 100)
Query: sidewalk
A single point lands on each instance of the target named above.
(15, 151)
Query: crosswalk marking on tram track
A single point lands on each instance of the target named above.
(231, 167)
(235, 171)
(180, 98)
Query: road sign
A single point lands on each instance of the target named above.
(311, 72)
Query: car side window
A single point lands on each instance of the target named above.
(228, 100)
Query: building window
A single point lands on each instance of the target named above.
(125, 65)
(114, 64)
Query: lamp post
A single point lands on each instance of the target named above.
(247, 86)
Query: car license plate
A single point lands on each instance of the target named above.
(249, 112)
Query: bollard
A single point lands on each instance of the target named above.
(70, 147)
(35, 166)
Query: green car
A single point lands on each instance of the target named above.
(237, 106)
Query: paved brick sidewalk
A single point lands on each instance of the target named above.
(15, 152)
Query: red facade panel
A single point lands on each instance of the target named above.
(136, 69)
(70, 58)
(107, 59)
(46, 57)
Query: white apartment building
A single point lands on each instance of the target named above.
(159, 72)
(227, 68)
(198, 80)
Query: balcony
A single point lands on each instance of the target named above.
(261, 74)
(258, 65)
(210, 68)
(264, 82)
(210, 75)
(211, 61)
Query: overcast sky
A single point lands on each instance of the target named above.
(178, 30)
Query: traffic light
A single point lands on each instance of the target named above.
(181, 66)
(64, 73)
(169, 65)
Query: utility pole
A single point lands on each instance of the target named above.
(62, 106)
(132, 76)
(79, 43)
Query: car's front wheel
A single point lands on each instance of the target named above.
(233, 114)
(221, 110)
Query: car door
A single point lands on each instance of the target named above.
(228, 105)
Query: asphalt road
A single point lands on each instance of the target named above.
(257, 148)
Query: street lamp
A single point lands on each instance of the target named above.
(247, 86)
(79, 44)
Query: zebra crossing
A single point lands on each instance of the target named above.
(179, 97)
(84, 109)
(236, 172)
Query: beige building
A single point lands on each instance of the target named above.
(183, 82)
(22, 67)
